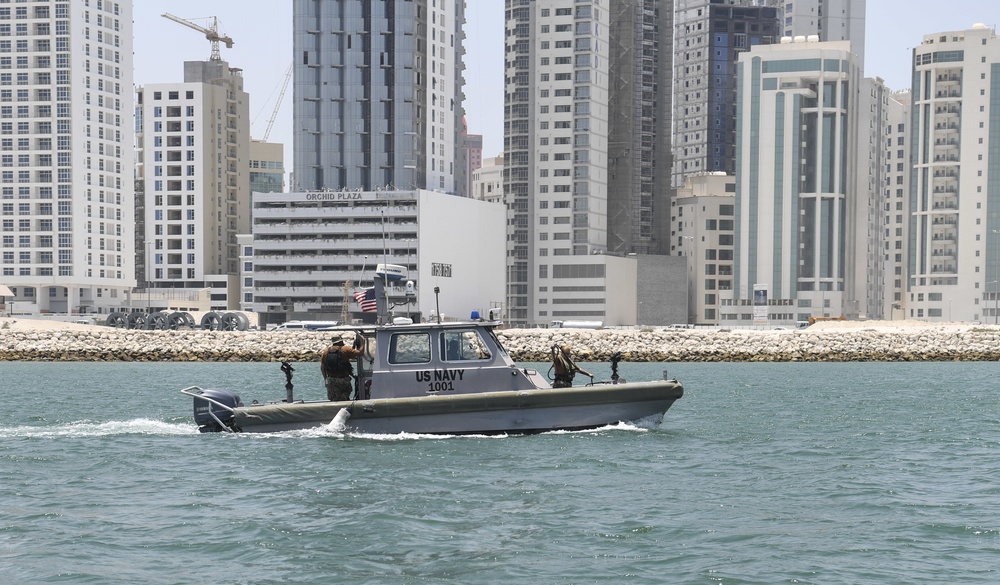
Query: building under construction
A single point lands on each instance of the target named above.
(639, 109)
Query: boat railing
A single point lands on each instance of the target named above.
(190, 392)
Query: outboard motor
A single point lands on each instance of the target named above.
(204, 410)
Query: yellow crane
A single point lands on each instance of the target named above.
(212, 34)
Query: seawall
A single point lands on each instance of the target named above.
(956, 342)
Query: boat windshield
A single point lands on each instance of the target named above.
(463, 345)
(496, 340)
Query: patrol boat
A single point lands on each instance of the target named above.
(439, 378)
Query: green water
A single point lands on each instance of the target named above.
(762, 473)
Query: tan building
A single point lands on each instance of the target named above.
(703, 216)
(194, 143)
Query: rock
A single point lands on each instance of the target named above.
(689, 345)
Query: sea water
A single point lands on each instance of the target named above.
(865, 473)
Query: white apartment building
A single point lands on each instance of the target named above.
(487, 180)
(830, 20)
(66, 156)
(556, 174)
(311, 251)
(895, 206)
(799, 228)
(954, 223)
(865, 231)
(194, 163)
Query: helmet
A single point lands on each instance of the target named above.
(337, 339)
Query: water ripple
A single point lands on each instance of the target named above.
(762, 473)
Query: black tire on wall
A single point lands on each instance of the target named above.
(176, 320)
(157, 321)
(118, 320)
(137, 320)
(211, 321)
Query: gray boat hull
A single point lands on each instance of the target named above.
(520, 411)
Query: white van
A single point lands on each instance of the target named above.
(306, 325)
(576, 324)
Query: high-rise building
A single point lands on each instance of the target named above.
(710, 36)
(378, 94)
(954, 222)
(569, 64)
(831, 20)
(867, 239)
(639, 110)
(66, 156)
(194, 161)
(801, 221)
(895, 206)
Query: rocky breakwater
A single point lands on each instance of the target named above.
(816, 344)
(108, 344)
(893, 343)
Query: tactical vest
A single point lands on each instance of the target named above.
(337, 366)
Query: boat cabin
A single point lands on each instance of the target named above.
(423, 359)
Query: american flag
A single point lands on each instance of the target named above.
(366, 299)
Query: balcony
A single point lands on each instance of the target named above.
(943, 269)
(945, 220)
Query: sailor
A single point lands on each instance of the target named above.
(565, 368)
(335, 364)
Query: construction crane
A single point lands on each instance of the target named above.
(277, 105)
(212, 34)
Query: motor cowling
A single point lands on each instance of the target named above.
(204, 410)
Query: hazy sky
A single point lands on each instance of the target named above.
(262, 31)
